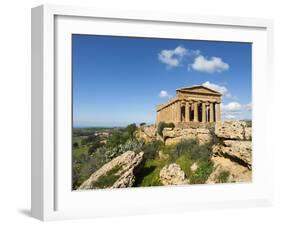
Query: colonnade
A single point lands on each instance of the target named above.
(210, 111)
(187, 111)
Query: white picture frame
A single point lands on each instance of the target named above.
(52, 197)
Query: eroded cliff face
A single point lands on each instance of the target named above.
(232, 149)
(147, 133)
(173, 136)
(233, 152)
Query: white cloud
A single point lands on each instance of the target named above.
(231, 107)
(164, 94)
(172, 57)
(248, 106)
(228, 95)
(230, 116)
(215, 64)
(221, 89)
(235, 110)
(180, 51)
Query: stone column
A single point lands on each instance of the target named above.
(211, 112)
(169, 114)
(195, 104)
(203, 112)
(172, 112)
(178, 110)
(218, 113)
(175, 112)
(187, 112)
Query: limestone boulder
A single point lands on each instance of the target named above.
(203, 136)
(194, 167)
(230, 129)
(127, 165)
(147, 133)
(173, 136)
(235, 171)
(237, 151)
(248, 133)
(172, 175)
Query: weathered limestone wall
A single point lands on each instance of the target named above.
(233, 153)
(173, 136)
(147, 133)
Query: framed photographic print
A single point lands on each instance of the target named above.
(137, 112)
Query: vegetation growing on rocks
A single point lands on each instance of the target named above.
(216, 160)
(185, 153)
(108, 179)
(162, 125)
(223, 177)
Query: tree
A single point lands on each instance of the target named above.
(94, 146)
(131, 130)
(75, 145)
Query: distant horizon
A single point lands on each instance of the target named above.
(109, 127)
(119, 80)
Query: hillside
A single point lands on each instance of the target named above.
(163, 155)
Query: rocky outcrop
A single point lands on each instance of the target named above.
(147, 133)
(237, 172)
(233, 154)
(125, 165)
(248, 133)
(172, 136)
(233, 130)
(172, 175)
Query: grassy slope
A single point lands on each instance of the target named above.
(150, 174)
(184, 154)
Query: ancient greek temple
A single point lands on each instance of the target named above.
(192, 104)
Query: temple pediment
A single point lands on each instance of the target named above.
(199, 89)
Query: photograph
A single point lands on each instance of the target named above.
(152, 111)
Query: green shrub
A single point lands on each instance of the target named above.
(107, 180)
(185, 163)
(149, 175)
(223, 177)
(90, 139)
(142, 124)
(131, 129)
(84, 165)
(120, 136)
(116, 138)
(248, 123)
(162, 125)
(75, 145)
(94, 146)
(202, 173)
(192, 149)
(151, 150)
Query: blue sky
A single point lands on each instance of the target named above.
(120, 80)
